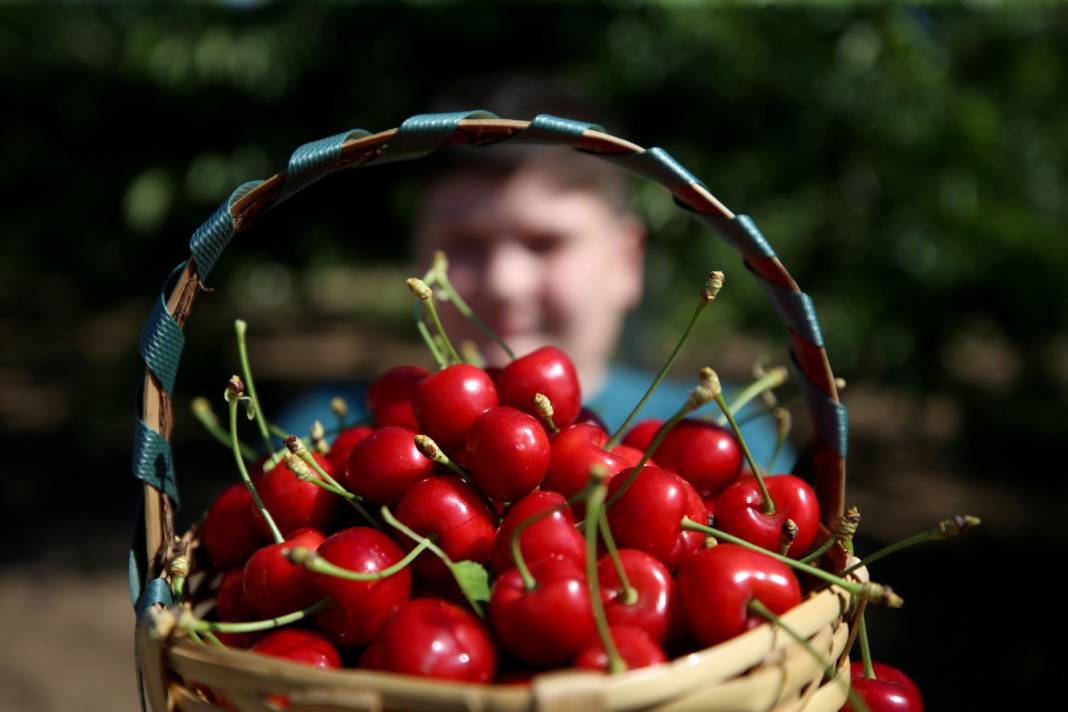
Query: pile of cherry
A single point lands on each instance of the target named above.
(485, 527)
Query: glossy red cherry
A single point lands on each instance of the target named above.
(507, 453)
(360, 608)
(575, 449)
(384, 465)
(635, 646)
(739, 512)
(275, 586)
(294, 504)
(230, 533)
(890, 691)
(233, 606)
(550, 624)
(447, 402)
(555, 535)
(434, 638)
(547, 370)
(343, 444)
(657, 600)
(389, 398)
(447, 509)
(641, 435)
(717, 585)
(702, 453)
(303, 646)
(649, 514)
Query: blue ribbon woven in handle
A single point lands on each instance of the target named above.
(157, 591)
(741, 233)
(162, 339)
(830, 419)
(314, 160)
(546, 128)
(211, 238)
(796, 309)
(425, 133)
(153, 462)
(657, 165)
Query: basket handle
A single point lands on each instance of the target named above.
(162, 337)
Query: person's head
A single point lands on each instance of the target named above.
(541, 245)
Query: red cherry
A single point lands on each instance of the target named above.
(507, 453)
(575, 449)
(632, 455)
(343, 444)
(434, 638)
(657, 602)
(275, 586)
(890, 691)
(717, 585)
(739, 512)
(550, 624)
(230, 533)
(635, 646)
(641, 435)
(360, 608)
(294, 504)
(649, 514)
(389, 397)
(448, 510)
(304, 646)
(233, 606)
(447, 402)
(547, 370)
(555, 535)
(384, 465)
(702, 453)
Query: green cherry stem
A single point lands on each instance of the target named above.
(430, 344)
(768, 505)
(204, 414)
(340, 409)
(594, 511)
(234, 390)
(426, 295)
(439, 273)
(713, 283)
(755, 606)
(865, 649)
(544, 408)
(843, 535)
(298, 464)
(630, 594)
(317, 564)
(769, 381)
(870, 591)
(433, 452)
(191, 623)
(596, 473)
(241, 328)
(946, 529)
(213, 639)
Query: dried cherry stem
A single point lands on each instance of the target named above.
(315, 563)
(865, 650)
(870, 591)
(461, 571)
(594, 512)
(946, 529)
(529, 582)
(189, 623)
(426, 295)
(240, 328)
(768, 506)
(439, 274)
(843, 536)
(298, 464)
(630, 594)
(433, 452)
(698, 397)
(713, 283)
(758, 608)
(204, 414)
(235, 389)
(767, 382)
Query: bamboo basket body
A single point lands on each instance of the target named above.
(762, 669)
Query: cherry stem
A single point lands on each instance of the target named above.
(439, 274)
(428, 544)
(594, 512)
(544, 408)
(426, 295)
(517, 555)
(433, 452)
(769, 381)
(869, 591)
(206, 417)
(213, 639)
(235, 446)
(758, 608)
(768, 505)
(865, 649)
(317, 564)
(340, 409)
(823, 549)
(946, 529)
(843, 535)
(429, 340)
(240, 328)
(324, 480)
(202, 626)
(630, 594)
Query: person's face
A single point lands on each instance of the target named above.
(539, 263)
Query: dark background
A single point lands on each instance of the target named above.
(908, 163)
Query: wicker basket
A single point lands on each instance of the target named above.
(760, 670)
